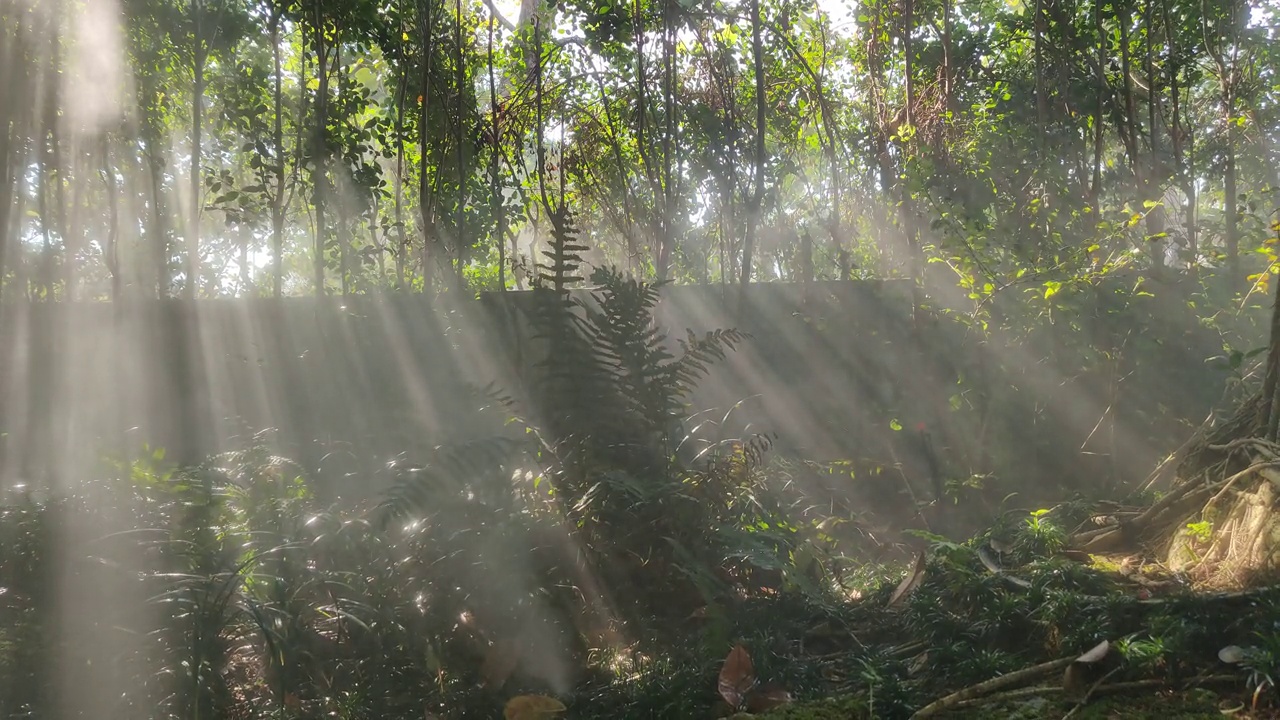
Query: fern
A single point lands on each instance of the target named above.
(606, 409)
(564, 260)
(474, 474)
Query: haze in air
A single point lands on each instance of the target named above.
(661, 359)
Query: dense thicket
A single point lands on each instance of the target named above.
(214, 147)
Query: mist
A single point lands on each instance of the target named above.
(405, 359)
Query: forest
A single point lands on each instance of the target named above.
(803, 359)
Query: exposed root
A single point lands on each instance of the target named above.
(1217, 523)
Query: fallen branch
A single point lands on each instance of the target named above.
(1114, 689)
(1019, 694)
(989, 686)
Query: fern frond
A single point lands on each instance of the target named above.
(474, 472)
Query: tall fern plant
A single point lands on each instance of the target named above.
(604, 412)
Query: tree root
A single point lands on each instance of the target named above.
(1195, 491)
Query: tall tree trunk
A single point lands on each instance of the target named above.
(278, 198)
(1155, 174)
(655, 228)
(52, 176)
(1180, 154)
(461, 242)
(1129, 128)
(111, 245)
(667, 239)
(321, 150)
(1037, 28)
(497, 206)
(908, 29)
(12, 132)
(156, 162)
(46, 175)
(402, 244)
(342, 185)
(757, 196)
(426, 201)
(198, 60)
(1230, 193)
(946, 55)
(1098, 113)
(1271, 382)
(1218, 47)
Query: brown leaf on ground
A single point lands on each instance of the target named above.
(737, 677)
(532, 707)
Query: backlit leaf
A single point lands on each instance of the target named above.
(737, 677)
(532, 707)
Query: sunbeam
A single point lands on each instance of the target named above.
(441, 359)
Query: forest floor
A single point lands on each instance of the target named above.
(1196, 704)
(1012, 623)
(1165, 608)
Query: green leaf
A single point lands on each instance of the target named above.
(894, 425)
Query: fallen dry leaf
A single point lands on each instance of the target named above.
(1232, 654)
(737, 677)
(1075, 680)
(532, 707)
(910, 582)
(1098, 652)
(767, 698)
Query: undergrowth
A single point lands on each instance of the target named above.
(605, 545)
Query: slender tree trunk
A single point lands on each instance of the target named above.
(1180, 152)
(402, 90)
(21, 273)
(1129, 128)
(908, 51)
(1271, 382)
(946, 54)
(45, 177)
(52, 177)
(321, 151)
(342, 185)
(460, 240)
(199, 57)
(111, 246)
(1098, 113)
(667, 240)
(11, 134)
(1155, 175)
(654, 218)
(1230, 192)
(497, 206)
(425, 199)
(910, 226)
(1037, 49)
(156, 162)
(1227, 75)
(278, 200)
(757, 197)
